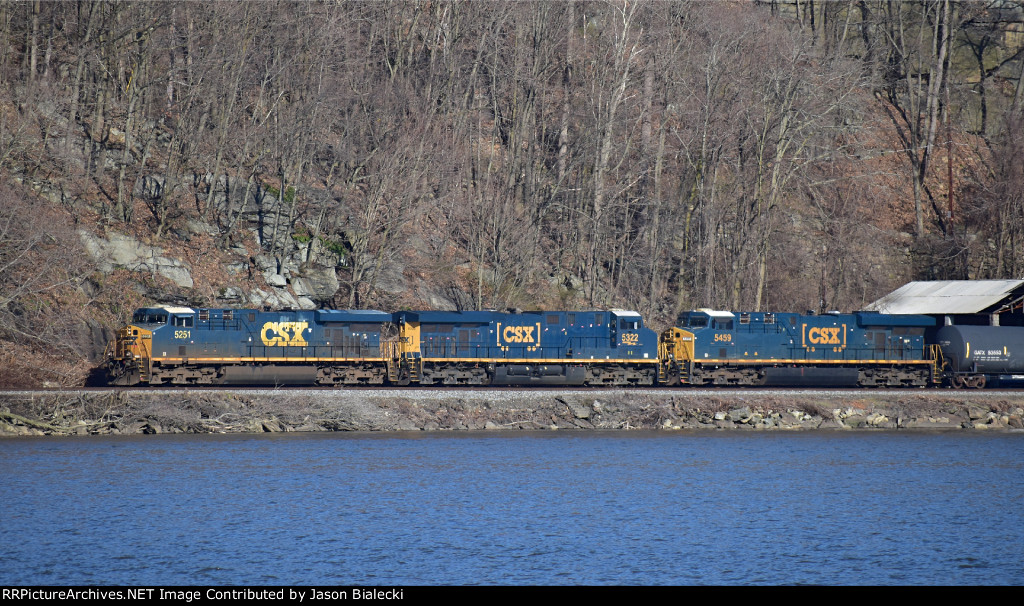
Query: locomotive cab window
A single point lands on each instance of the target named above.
(723, 324)
(628, 324)
(182, 321)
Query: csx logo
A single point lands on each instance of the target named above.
(284, 333)
(518, 334)
(826, 335)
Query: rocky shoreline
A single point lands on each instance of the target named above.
(121, 412)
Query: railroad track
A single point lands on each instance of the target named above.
(442, 391)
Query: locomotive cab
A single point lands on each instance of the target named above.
(629, 337)
(129, 355)
(713, 332)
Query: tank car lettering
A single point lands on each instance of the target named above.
(275, 334)
(989, 355)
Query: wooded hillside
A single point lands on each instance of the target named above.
(658, 156)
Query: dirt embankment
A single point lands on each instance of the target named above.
(252, 411)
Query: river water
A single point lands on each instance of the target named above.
(545, 508)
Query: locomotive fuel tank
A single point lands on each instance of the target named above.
(983, 349)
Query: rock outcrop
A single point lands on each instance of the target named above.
(117, 250)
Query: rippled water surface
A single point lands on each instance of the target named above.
(522, 508)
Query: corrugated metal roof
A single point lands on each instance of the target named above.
(946, 297)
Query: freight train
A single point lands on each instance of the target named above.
(186, 346)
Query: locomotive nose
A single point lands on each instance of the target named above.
(127, 344)
(127, 358)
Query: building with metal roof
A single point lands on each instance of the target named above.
(961, 301)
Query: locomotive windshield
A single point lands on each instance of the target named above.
(149, 316)
(693, 320)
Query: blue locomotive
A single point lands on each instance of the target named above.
(709, 347)
(185, 346)
(531, 348)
